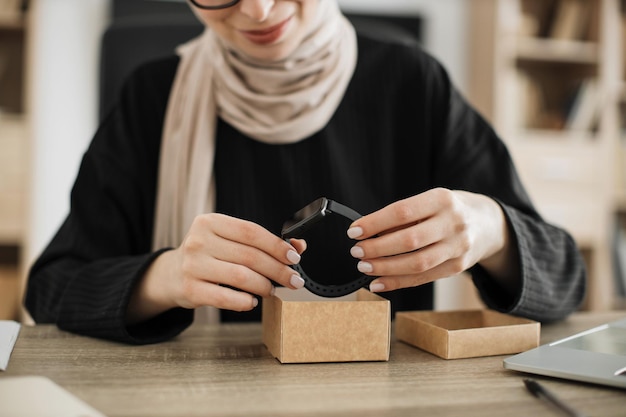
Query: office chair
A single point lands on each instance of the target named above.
(129, 42)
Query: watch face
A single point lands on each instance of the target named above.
(305, 218)
(315, 208)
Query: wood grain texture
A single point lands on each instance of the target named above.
(226, 371)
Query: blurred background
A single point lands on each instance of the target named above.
(549, 75)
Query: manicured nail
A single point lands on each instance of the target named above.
(357, 252)
(365, 267)
(293, 256)
(377, 286)
(255, 302)
(354, 232)
(297, 281)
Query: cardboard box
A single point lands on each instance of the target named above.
(467, 333)
(301, 327)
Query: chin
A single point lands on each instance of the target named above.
(268, 55)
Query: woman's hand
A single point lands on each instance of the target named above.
(223, 262)
(433, 235)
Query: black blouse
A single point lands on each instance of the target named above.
(401, 129)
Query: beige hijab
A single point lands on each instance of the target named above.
(278, 102)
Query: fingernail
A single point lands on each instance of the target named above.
(255, 302)
(297, 281)
(354, 232)
(293, 256)
(357, 252)
(365, 267)
(377, 286)
(273, 291)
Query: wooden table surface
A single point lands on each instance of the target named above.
(226, 371)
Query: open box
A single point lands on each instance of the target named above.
(300, 327)
(466, 333)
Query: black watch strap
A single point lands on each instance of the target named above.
(332, 291)
(345, 211)
(326, 290)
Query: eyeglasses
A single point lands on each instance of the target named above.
(214, 4)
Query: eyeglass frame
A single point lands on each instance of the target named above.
(222, 6)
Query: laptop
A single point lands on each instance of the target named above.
(596, 355)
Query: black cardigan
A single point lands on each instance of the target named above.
(401, 129)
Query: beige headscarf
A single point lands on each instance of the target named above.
(277, 102)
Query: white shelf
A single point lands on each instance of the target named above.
(558, 137)
(13, 174)
(12, 21)
(571, 175)
(565, 51)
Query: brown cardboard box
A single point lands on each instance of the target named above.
(301, 327)
(467, 333)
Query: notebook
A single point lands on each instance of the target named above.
(597, 355)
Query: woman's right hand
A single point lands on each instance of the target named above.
(223, 262)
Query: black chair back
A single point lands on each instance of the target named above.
(137, 38)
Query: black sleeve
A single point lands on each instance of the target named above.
(470, 156)
(84, 278)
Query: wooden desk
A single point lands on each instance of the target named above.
(226, 371)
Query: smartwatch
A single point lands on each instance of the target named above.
(332, 270)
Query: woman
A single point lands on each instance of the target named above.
(181, 195)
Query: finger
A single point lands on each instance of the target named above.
(409, 263)
(247, 268)
(299, 244)
(204, 293)
(404, 240)
(409, 211)
(233, 275)
(251, 234)
(389, 283)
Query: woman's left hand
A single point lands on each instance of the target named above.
(435, 234)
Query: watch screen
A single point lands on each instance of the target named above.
(308, 211)
(305, 215)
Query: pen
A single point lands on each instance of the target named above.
(541, 392)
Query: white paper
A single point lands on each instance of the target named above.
(9, 330)
(17, 393)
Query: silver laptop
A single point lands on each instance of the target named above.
(597, 355)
